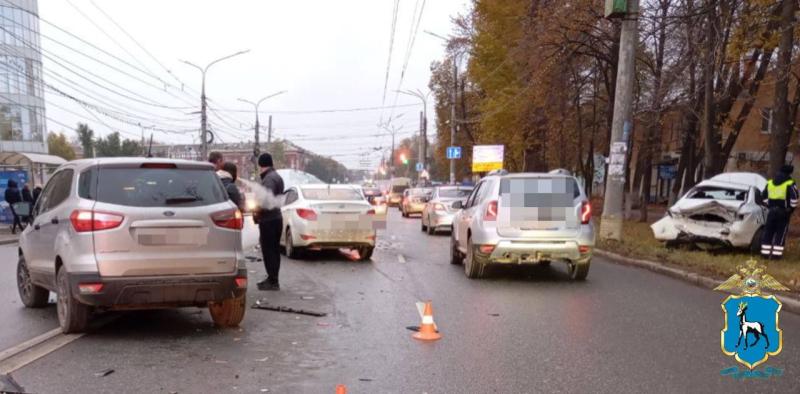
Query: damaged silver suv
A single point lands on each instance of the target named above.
(724, 210)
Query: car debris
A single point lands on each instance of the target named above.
(725, 210)
(268, 307)
(104, 373)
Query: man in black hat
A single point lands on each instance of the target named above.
(270, 224)
(781, 197)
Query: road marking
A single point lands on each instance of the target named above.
(401, 258)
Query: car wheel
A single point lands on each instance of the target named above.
(365, 253)
(431, 229)
(578, 271)
(755, 243)
(72, 315)
(292, 251)
(544, 263)
(32, 296)
(422, 225)
(455, 256)
(229, 312)
(473, 264)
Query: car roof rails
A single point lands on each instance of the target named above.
(497, 172)
(560, 171)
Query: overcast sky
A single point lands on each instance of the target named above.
(326, 54)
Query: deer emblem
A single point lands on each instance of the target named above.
(747, 327)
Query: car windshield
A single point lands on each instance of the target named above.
(335, 194)
(717, 193)
(454, 193)
(158, 187)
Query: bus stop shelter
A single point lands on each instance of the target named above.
(37, 165)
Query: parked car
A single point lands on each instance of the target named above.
(130, 233)
(724, 210)
(414, 200)
(327, 217)
(525, 218)
(438, 211)
(398, 186)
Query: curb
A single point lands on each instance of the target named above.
(8, 241)
(789, 303)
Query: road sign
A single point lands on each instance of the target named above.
(487, 157)
(453, 152)
(420, 167)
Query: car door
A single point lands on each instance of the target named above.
(464, 217)
(286, 211)
(49, 218)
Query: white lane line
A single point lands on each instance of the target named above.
(16, 349)
(401, 258)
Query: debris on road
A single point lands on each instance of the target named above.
(262, 359)
(253, 258)
(104, 372)
(307, 297)
(365, 379)
(324, 324)
(9, 385)
(266, 306)
(494, 314)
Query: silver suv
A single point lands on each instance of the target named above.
(526, 218)
(133, 233)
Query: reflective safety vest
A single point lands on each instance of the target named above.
(778, 192)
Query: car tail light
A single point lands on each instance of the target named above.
(307, 214)
(230, 218)
(586, 212)
(491, 211)
(84, 220)
(90, 288)
(307, 237)
(438, 207)
(241, 282)
(158, 165)
(371, 237)
(371, 212)
(583, 249)
(486, 249)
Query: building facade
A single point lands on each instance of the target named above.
(22, 109)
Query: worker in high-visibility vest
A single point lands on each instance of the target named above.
(781, 197)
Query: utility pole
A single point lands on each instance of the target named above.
(203, 105)
(269, 130)
(257, 130)
(453, 119)
(621, 126)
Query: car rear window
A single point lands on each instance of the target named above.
(717, 193)
(158, 187)
(538, 192)
(454, 193)
(332, 194)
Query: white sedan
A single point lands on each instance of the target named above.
(323, 216)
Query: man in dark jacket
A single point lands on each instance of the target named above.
(228, 175)
(781, 198)
(270, 223)
(37, 191)
(12, 197)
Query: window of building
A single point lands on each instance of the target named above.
(766, 120)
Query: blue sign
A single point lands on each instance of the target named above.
(453, 152)
(420, 167)
(667, 171)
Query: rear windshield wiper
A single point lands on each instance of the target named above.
(181, 199)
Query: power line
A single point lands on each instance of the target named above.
(391, 47)
(412, 37)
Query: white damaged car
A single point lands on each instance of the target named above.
(724, 210)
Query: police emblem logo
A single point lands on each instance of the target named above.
(751, 333)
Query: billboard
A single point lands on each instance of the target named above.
(487, 157)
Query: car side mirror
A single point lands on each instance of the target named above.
(458, 205)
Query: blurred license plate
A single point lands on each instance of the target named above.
(161, 236)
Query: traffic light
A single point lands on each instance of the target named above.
(403, 158)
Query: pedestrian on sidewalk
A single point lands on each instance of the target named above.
(228, 175)
(270, 224)
(37, 191)
(12, 197)
(28, 198)
(781, 197)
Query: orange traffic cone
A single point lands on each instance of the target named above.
(427, 331)
(341, 389)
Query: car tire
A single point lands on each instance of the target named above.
(578, 271)
(422, 226)
(455, 256)
(73, 317)
(755, 243)
(292, 251)
(365, 253)
(229, 312)
(431, 229)
(473, 264)
(32, 296)
(544, 264)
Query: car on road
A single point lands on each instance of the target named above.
(414, 200)
(396, 189)
(133, 233)
(438, 211)
(321, 216)
(523, 218)
(723, 210)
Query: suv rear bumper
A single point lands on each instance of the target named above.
(150, 292)
(533, 252)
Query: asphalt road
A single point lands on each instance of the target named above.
(523, 330)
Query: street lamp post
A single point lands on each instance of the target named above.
(453, 96)
(203, 105)
(423, 127)
(256, 146)
(393, 131)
